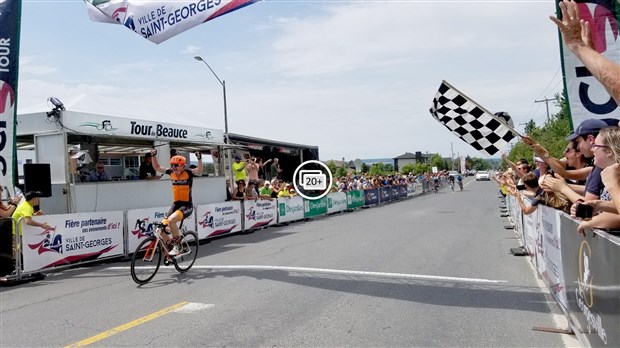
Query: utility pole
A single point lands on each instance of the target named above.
(546, 101)
(451, 157)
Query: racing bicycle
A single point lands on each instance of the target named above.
(149, 253)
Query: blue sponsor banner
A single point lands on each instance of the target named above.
(403, 191)
(384, 194)
(371, 197)
(395, 192)
(10, 14)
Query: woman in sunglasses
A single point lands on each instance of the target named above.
(182, 180)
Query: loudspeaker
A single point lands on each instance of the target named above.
(37, 177)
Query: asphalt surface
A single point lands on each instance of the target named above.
(429, 271)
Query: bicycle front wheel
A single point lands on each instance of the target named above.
(146, 260)
(185, 260)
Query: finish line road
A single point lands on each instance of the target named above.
(429, 271)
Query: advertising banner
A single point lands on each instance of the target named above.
(115, 126)
(384, 195)
(158, 21)
(592, 281)
(75, 238)
(412, 188)
(529, 230)
(355, 199)
(587, 97)
(403, 191)
(395, 192)
(315, 207)
(371, 197)
(140, 224)
(336, 202)
(10, 17)
(290, 209)
(259, 213)
(218, 219)
(552, 253)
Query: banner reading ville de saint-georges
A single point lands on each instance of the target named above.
(158, 21)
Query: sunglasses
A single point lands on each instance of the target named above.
(100, 168)
(175, 165)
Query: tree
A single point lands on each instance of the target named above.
(552, 135)
(437, 161)
(365, 168)
(408, 168)
(388, 168)
(376, 169)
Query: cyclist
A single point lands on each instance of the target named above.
(436, 183)
(182, 206)
(459, 179)
(451, 181)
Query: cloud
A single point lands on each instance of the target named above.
(191, 49)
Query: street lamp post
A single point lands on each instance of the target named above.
(226, 140)
(223, 83)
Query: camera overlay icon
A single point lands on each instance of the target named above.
(313, 182)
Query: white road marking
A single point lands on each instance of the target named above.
(194, 307)
(342, 272)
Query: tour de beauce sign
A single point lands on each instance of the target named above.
(132, 128)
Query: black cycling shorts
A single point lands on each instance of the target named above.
(187, 208)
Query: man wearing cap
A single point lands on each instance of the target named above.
(147, 172)
(25, 211)
(239, 169)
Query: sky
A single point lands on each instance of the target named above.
(355, 78)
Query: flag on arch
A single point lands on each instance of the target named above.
(484, 131)
(158, 21)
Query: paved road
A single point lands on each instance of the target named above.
(431, 271)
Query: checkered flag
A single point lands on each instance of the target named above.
(476, 126)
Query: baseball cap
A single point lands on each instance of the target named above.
(538, 159)
(267, 182)
(588, 126)
(147, 155)
(33, 194)
(237, 157)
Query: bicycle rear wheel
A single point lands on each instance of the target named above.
(146, 260)
(185, 260)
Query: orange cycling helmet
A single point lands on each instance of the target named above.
(177, 160)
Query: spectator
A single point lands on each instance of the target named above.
(274, 169)
(25, 211)
(285, 191)
(98, 174)
(577, 37)
(251, 192)
(252, 169)
(261, 169)
(147, 172)
(228, 192)
(539, 196)
(276, 187)
(7, 210)
(239, 169)
(580, 167)
(238, 193)
(265, 190)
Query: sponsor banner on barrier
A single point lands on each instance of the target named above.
(403, 191)
(315, 207)
(552, 253)
(140, 224)
(259, 213)
(384, 194)
(371, 197)
(395, 192)
(290, 209)
(592, 279)
(411, 189)
(218, 219)
(355, 199)
(336, 202)
(529, 230)
(75, 238)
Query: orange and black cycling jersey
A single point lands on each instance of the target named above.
(181, 185)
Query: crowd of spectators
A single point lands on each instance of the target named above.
(585, 182)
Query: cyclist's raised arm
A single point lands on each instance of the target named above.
(198, 170)
(155, 163)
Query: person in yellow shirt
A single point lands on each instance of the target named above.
(239, 169)
(25, 210)
(284, 192)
